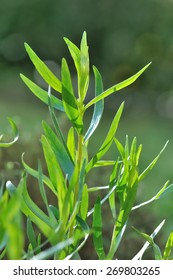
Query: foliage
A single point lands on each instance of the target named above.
(64, 225)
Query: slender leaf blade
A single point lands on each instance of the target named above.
(108, 141)
(42, 94)
(117, 87)
(97, 230)
(99, 106)
(43, 70)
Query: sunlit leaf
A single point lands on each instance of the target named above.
(152, 164)
(117, 87)
(43, 70)
(42, 94)
(109, 138)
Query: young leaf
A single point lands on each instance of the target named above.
(81, 61)
(97, 230)
(42, 94)
(43, 70)
(84, 67)
(99, 106)
(108, 141)
(69, 100)
(117, 87)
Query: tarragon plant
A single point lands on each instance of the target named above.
(69, 162)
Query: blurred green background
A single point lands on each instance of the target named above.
(123, 36)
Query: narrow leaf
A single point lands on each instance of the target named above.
(168, 247)
(97, 230)
(62, 156)
(35, 174)
(117, 87)
(99, 106)
(69, 100)
(152, 164)
(43, 70)
(108, 141)
(42, 94)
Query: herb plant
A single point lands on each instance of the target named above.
(69, 162)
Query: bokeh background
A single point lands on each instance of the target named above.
(123, 36)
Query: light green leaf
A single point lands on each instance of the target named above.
(139, 255)
(84, 202)
(152, 164)
(43, 70)
(99, 106)
(117, 87)
(168, 247)
(149, 239)
(42, 94)
(16, 135)
(108, 141)
(71, 143)
(97, 230)
(81, 61)
(84, 67)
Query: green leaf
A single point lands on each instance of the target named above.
(149, 239)
(69, 100)
(152, 164)
(99, 106)
(42, 94)
(71, 143)
(55, 173)
(35, 174)
(84, 202)
(16, 135)
(81, 62)
(46, 254)
(117, 87)
(109, 138)
(168, 247)
(44, 196)
(63, 158)
(31, 234)
(139, 255)
(97, 230)
(43, 70)
(84, 67)
(112, 182)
